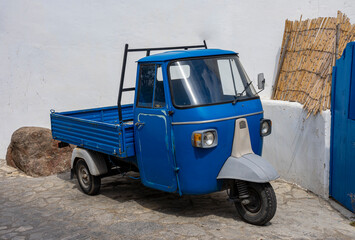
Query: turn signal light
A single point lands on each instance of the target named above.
(197, 140)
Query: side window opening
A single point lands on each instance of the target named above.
(159, 96)
(151, 87)
(146, 85)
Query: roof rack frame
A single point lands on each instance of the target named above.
(147, 50)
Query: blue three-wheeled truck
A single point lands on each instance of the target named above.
(196, 127)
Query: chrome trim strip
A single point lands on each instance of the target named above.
(216, 120)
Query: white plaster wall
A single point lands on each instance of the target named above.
(67, 54)
(298, 147)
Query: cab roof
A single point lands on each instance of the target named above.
(171, 55)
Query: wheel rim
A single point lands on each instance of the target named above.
(255, 202)
(84, 176)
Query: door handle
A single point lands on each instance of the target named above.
(139, 124)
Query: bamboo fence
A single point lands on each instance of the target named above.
(308, 53)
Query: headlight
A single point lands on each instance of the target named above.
(208, 138)
(265, 127)
(204, 138)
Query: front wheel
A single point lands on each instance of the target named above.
(261, 206)
(88, 183)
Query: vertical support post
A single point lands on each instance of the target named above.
(332, 106)
(279, 67)
(204, 43)
(337, 38)
(121, 83)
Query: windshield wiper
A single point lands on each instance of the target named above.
(237, 97)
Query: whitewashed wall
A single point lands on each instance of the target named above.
(299, 147)
(66, 54)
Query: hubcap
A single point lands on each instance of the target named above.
(255, 202)
(84, 176)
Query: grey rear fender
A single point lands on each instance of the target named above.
(249, 167)
(95, 161)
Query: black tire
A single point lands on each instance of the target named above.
(263, 204)
(88, 183)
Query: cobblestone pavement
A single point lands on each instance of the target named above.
(54, 208)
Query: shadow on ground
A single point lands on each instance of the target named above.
(123, 189)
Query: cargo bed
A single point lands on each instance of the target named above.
(97, 129)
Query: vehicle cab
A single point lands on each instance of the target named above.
(186, 106)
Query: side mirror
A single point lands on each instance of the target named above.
(261, 81)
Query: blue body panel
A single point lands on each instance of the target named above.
(342, 168)
(154, 157)
(96, 129)
(199, 167)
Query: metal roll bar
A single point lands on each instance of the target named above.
(147, 50)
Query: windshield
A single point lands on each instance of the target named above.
(207, 81)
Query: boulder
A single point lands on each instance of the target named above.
(33, 151)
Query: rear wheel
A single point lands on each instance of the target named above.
(88, 183)
(261, 206)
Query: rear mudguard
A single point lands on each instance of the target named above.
(249, 167)
(94, 160)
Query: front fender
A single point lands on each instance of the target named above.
(249, 167)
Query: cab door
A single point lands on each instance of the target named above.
(153, 130)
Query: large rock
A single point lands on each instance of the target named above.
(33, 151)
